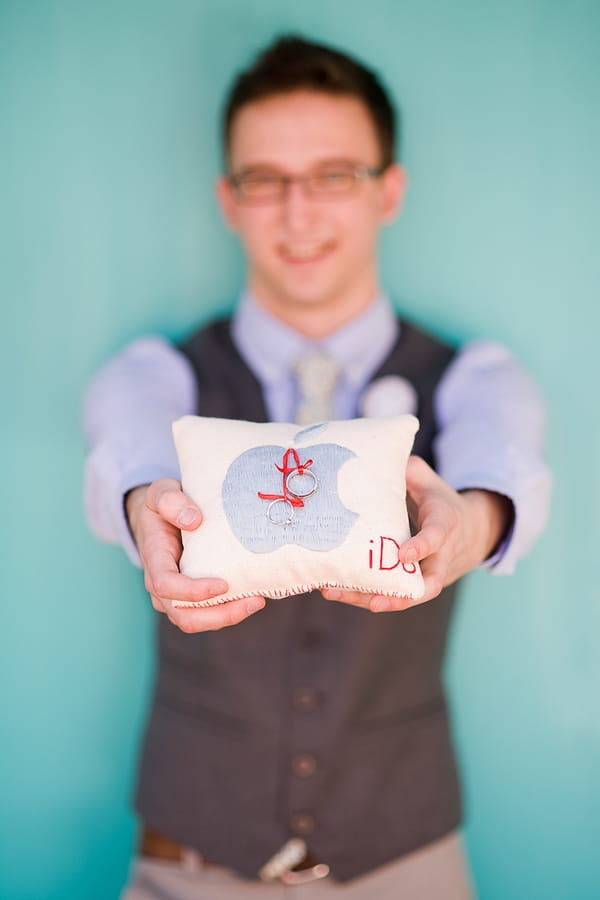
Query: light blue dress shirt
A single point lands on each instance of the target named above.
(490, 414)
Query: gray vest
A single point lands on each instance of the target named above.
(311, 718)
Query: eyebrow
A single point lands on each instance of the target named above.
(274, 167)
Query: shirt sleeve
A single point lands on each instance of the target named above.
(492, 424)
(127, 414)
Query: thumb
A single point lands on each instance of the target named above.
(165, 497)
(420, 478)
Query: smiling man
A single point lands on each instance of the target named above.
(309, 746)
(311, 259)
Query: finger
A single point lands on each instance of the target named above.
(160, 545)
(212, 618)
(435, 576)
(158, 605)
(174, 588)
(383, 603)
(352, 598)
(163, 578)
(166, 498)
(428, 540)
(373, 602)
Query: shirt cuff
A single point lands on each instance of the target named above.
(107, 518)
(530, 505)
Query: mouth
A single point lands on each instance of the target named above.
(305, 252)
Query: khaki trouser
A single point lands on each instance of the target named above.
(436, 872)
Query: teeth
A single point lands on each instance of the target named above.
(303, 251)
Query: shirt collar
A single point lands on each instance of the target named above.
(269, 346)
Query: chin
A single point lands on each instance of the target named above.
(311, 295)
(308, 301)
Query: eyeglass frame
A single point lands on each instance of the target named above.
(359, 171)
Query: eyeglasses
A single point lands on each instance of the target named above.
(336, 180)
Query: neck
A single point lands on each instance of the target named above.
(316, 321)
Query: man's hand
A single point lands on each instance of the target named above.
(157, 513)
(455, 532)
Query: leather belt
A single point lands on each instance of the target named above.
(291, 865)
(155, 845)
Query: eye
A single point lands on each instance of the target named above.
(333, 179)
(256, 182)
(261, 179)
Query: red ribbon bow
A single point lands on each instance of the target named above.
(286, 470)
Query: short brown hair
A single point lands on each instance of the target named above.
(293, 63)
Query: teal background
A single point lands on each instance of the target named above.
(109, 228)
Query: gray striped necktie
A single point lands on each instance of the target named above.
(317, 374)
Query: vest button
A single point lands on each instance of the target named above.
(305, 698)
(302, 823)
(304, 765)
(311, 638)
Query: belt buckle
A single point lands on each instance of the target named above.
(304, 876)
(281, 866)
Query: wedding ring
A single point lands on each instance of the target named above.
(301, 491)
(277, 521)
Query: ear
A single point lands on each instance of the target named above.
(229, 207)
(394, 182)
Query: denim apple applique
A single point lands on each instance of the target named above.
(274, 495)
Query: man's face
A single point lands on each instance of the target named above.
(311, 259)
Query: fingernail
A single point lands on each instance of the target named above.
(411, 555)
(187, 516)
(333, 595)
(254, 605)
(381, 604)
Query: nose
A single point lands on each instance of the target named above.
(297, 208)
